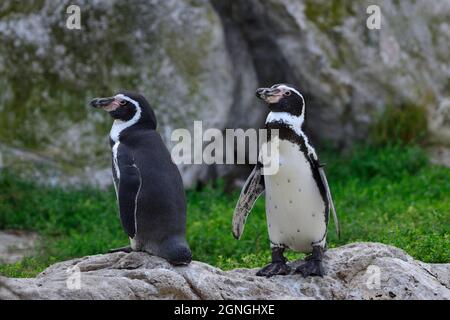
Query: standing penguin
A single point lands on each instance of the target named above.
(298, 199)
(148, 185)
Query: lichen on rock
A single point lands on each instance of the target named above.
(202, 60)
(171, 51)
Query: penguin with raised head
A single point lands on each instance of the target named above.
(149, 188)
(298, 199)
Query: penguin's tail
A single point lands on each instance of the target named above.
(176, 251)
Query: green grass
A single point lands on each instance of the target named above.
(384, 194)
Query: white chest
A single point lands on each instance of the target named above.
(294, 207)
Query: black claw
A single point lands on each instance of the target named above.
(311, 268)
(274, 269)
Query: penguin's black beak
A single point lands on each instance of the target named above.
(264, 93)
(260, 92)
(101, 102)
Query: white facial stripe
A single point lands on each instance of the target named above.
(120, 125)
(124, 97)
(283, 86)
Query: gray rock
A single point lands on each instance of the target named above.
(347, 72)
(440, 155)
(351, 273)
(14, 245)
(202, 60)
(172, 51)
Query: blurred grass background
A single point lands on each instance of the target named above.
(384, 191)
(389, 194)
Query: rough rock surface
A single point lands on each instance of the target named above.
(347, 72)
(202, 60)
(14, 245)
(171, 50)
(351, 273)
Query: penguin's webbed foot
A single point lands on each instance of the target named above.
(126, 249)
(311, 268)
(274, 269)
(313, 265)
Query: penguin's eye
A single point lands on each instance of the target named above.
(123, 102)
(287, 93)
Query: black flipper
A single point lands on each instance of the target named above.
(323, 178)
(128, 190)
(253, 188)
(330, 200)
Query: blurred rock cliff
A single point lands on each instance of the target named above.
(203, 60)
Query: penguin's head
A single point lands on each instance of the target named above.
(126, 106)
(282, 98)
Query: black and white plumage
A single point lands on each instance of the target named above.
(149, 188)
(298, 198)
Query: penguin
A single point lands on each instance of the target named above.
(149, 188)
(297, 197)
